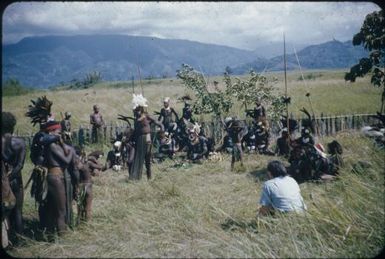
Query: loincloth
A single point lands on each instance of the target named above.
(58, 171)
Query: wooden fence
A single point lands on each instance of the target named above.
(326, 126)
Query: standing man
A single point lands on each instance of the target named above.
(66, 128)
(58, 157)
(8, 202)
(97, 122)
(259, 111)
(236, 130)
(142, 137)
(40, 112)
(13, 151)
(166, 116)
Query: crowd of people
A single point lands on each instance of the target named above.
(63, 173)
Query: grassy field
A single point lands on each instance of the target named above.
(330, 95)
(204, 210)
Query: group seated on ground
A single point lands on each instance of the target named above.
(308, 160)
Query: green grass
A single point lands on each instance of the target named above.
(207, 211)
(330, 95)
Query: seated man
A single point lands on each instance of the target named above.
(249, 141)
(283, 144)
(262, 139)
(227, 145)
(166, 145)
(197, 146)
(280, 192)
(93, 162)
(335, 159)
(114, 157)
(305, 139)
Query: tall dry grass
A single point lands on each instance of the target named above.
(330, 95)
(206, 211)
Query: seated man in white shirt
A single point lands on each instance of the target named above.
(281, 192)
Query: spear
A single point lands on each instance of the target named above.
(140, 78)
(307, 94)
(287, 104)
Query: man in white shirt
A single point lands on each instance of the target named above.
(281, 192)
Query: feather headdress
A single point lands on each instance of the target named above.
(138, 100)
(196, 128)
(39, 111)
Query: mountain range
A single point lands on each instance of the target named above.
(46, 61)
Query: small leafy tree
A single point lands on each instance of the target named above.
(255, 86)
(372, 37)
(217, 102)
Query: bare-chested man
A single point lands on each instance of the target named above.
(66, 128)
(168, 116)
(57, 157)
(13, 155)
(142, 137)
(85, 187)
(236, 130)
(8, 202)
(97, 122)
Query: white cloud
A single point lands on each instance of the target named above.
(238, 24)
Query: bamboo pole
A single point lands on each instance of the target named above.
(285, 68)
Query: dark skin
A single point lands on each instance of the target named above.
(85, 181)
(94, 166)
(96, 119)
(140, 115)
(57, 155)
(13, 154)
(161, 116)
(142, 127)
(236, 133)
(97, 122)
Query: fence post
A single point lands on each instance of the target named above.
(81, 138)
(30, 139)
(327, 129)
(88, 135)
(74, 138)
(111, 127)
(350, 122)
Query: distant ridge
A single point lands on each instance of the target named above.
(46, 61)
(328, 55)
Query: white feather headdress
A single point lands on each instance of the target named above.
(196, 128)
(138, 100)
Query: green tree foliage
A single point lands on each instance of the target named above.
(13, 87)
(217, 102)
(89, 80)
(228, 70)
(257, 85)
(372, 37)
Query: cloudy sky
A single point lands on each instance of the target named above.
(245, 25)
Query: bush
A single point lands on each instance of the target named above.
(12, 87)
